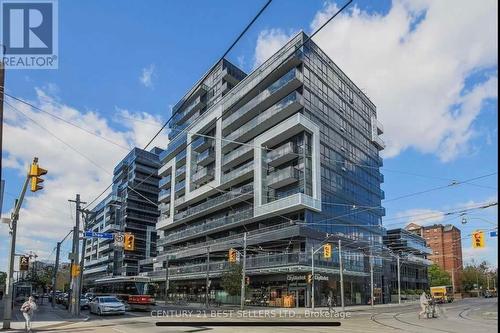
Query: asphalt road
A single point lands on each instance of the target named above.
(470, 315)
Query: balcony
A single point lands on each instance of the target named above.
(276, 91)
(194, 106)
(207, 157)
(210, 226)
(203, 175)
(222, 201)
(164, 195)
(179, 201)
(283, 177)
(201, 90)
(227, 76)
(180, 173)
(282, 154)
(180, 159)
(165, 182)
(377, 130)
(265, 120)
(164, 207)
(238, 175)
(180, 187)
(201, 143)
(173, 148)
(237, 156)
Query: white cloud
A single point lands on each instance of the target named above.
(420, 216)
(45, 216)
(268, 42)
(413, 62)
(146, 78)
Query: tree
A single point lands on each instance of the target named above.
(438, 276)
(477, 274)
(231, 280)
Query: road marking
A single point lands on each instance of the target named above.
(118, 330)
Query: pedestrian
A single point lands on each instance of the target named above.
(424, 302)
(28, 309)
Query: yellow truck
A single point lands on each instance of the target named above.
(442, 294)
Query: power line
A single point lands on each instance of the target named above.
(190, 94)
(211, 69)
(58, 138)
(68, 122)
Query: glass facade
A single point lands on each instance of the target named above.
(289, 156)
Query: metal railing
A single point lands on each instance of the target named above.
(207, 226)
(237, 153)
(282, 174)
(245, 168)
(212, 203)
(265, 115)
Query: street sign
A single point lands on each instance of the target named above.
(24, 262)
(119, 238)
(92, 234)
(493, 233)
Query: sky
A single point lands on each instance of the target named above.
(430, 67)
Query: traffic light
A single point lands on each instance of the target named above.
(35, 176)
(128, 242)
(478, 239)
(233, 256)
(75, 270)
(309, 278)
(327, 251)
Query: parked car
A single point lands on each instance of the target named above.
(107, 305)
(89, 296)
(60, 298)
(84, 303)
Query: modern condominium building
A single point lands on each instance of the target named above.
(283, 159)
(130, 207)
(412, 251)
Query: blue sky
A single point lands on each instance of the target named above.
(123, 64)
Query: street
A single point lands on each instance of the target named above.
(469, 315)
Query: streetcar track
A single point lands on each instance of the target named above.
(372, 318)
(417, 325)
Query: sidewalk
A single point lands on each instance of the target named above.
(45, 317)
(352, 308)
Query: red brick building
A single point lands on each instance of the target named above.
(445, 242)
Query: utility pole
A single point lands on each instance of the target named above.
(371, 281)
(207, 283)
(243, 271)
(167, 284)
(75, 282)
(85, 214)
(399, 280)
(341, 268)
(7, 314)
(54, 275)
(453, 280)
(312, 279)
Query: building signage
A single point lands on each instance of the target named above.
(317, 277)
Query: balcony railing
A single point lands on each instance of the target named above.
(164, 195)
(203, 175)
(261, 118)
(181, 157)
(245, 168)
(180, 186)
(246, 109)
(244, 149)
(165, 181)
(173, 146)
(180, 172)
(207, 157)
(213, 203)
(283, 177)
(210, 226)
(201, 143)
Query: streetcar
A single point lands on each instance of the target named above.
(134, 291)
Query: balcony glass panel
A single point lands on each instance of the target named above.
(265, 115)
(247, 167)
(164, 181)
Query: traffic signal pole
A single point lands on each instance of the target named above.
(9, 282)
(243, 272)
(341, 270)
(54, 276)
(74, 300)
